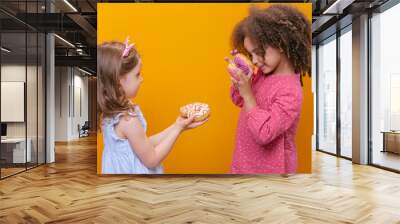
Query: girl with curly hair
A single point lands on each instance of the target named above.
(278, 42)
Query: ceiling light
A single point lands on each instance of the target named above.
(70, 5)
(64, 40)
(86, 72)
(5, 50)
(337, 7)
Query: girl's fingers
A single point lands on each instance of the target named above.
(228, 60)
(234, 81)
(190, 119)
(196, 124)
(250, 72)
(243, 77)
(234, 75)
(202, 122)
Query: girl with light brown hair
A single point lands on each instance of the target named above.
(127, 149)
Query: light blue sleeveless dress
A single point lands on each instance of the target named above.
(118, 156)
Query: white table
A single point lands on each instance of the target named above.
(19, 155)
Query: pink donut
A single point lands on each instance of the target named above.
(243, 63)
(233, 69)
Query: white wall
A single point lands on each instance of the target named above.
(70, 83)
(61, 103)
(12, 73)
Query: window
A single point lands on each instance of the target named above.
(385, 89)
(346, 75)
(327, 95)
(23, 77)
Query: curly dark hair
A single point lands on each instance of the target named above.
(278, 26)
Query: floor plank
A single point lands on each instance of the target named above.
(70, 191)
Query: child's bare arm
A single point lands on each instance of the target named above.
(157, 138)
(150, 155)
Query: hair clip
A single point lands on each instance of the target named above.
(128, 47)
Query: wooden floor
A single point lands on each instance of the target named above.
(70, 191)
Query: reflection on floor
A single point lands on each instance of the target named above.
(387, 159)
(10, 169)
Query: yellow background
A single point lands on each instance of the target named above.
(183, 48)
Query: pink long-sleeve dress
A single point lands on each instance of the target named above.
(265, 135)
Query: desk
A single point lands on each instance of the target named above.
(391, 141)
(17, 150)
